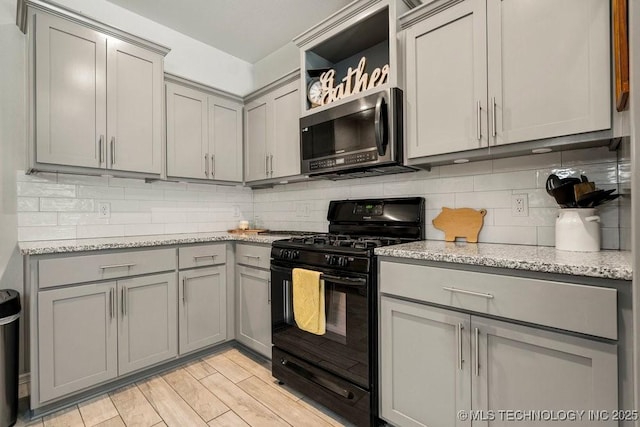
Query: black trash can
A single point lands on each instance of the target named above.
(9, 327)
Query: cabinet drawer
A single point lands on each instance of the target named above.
(88, 268)
(253, 255)
(580, 308)
(202, 255)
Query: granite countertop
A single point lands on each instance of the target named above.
(603, 264)
(80, 245)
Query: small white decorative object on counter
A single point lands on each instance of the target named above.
(578, 230)
(243, 225)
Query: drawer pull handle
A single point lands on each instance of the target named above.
(196, 258)
(252, 256)
(463, 291)
(104, 267)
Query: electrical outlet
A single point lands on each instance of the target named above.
(104, 210)
(519, 205)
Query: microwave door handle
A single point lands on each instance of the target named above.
(380, 124)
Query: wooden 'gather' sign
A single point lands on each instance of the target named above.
(354, 82)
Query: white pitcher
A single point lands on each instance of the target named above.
(578, 230)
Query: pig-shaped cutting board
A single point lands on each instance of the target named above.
(464, 223)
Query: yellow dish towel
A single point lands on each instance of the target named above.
(308, 301)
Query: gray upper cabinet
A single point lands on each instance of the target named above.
(134, 108)
(70, 85)
(97, 101)
(204, 135)
(148, 321)
(446, 68)
(202, 307)
(187, 132)
(481, 73)
(286, 131)
(548, 67)
(225, 139)
(272, 134)
(77, 339)
(256, 131)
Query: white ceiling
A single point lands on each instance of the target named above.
(246, 29)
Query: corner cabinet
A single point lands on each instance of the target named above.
(97, 99)
(272, 132)
(440, 353)
(204, 133)
(511, 72)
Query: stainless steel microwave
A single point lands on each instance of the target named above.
(364, 135)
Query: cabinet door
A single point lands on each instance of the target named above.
(257, 128)
(148, 321)
(424, 364)
(187, 133)
(525, 368)
(549, 68)
(134, 108)
(70, 87)
(254, 309)
(202, 308)
(225, 139)
(447, 81)
(285, 147)
(77, 340)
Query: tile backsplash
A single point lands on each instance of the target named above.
(486, 184)
(59, 206)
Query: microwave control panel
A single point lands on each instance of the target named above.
(350, 159)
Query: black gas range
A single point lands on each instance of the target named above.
(339, 368)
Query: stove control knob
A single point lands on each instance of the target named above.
(295, 254)
(330, 259)
(343, 261)
(281, 253)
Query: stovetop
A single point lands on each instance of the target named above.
(346, 241)
(356, 227)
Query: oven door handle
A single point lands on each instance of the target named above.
(347, 281)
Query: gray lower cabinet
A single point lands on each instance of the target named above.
(421, 381)
(253, 308)
(202, 308)
(91, 333)
(77, 339)
(436, 362)
(148, 321)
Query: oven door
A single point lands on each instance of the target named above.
(344, 349)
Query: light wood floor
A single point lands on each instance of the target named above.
(229, 388)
